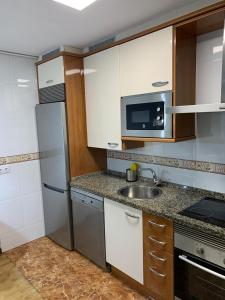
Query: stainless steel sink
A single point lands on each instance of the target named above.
(140, 192)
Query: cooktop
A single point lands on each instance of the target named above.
(209, 210)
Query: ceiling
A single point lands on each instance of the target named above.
(35, 26)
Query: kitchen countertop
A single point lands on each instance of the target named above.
(174, 198)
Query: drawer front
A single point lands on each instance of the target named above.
(159, 281)
(158, 226)
(159, 259)
(159, 242)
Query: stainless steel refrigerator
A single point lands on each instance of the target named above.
(52, 140)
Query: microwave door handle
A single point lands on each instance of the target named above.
(190, 262)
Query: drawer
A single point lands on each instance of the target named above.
(159, 276)
(159, 259)
(156, 225)
(156, 242)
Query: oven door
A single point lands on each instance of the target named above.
(145, 115)
(196, 279)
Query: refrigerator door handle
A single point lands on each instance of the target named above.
(53, 188)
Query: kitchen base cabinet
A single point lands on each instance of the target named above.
(124, 238)
(158, 257)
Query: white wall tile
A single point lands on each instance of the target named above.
(18, 94)
(9, 183)
(32, 209)
(29, 177)
(11, 216)
(21, 207)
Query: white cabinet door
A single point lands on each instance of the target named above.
(51, 72)
(146, 63)
(102, 95)
(124, 238)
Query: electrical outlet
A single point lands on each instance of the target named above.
(4, 170)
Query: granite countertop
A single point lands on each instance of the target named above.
(174, 198)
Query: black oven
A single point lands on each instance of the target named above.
(199, 266)
(145, 115)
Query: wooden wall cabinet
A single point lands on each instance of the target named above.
(158, 257)
(124, 238)
(68, 69)
(146, 63)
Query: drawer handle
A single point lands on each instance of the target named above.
(156, 241)
(156, 224)
(159, 83)
(157, 273)
(113, 144)
(152, 254)
(131, 216)
(49, 81)
(222, 107)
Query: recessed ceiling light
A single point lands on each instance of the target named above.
(77, 4)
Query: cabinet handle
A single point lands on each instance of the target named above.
(157, 273)
(156, 241)
(159, 83)
(49, 81)
(131, 216)
(113, 144)
(156, 224)
(162, 259)
(222, 107)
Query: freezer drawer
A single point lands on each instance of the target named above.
(57, 215)
(88, 226)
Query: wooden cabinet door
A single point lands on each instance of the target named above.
(146, 63)
(51, 72)
(102, 93)
(124, 238)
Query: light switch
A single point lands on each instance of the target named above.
(5, 170)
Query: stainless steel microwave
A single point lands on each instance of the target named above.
(145, 115)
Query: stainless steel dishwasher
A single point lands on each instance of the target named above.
(88, 226)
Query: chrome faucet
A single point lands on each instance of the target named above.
(156, 179)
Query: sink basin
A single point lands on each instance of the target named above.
(140, 192)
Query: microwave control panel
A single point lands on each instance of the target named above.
(145, 116)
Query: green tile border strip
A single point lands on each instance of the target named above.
(202, 166)
(18, 158)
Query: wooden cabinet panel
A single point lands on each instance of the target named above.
(155, 225)
(51, 73)
(124, 238)
(158, 256)
(146, 61)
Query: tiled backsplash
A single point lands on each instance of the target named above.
(199, 163)
(7, 160)
(202, 166)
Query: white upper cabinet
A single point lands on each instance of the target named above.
(51, 72)
(146, 63)
(102, 94)
(124, 238)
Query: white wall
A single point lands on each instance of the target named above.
(21, 210)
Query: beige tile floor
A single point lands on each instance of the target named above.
(13, 286)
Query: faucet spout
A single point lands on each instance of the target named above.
(156, 179)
